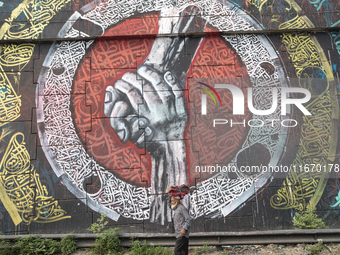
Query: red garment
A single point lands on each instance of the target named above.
(180, 191)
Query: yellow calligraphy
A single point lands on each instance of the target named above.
(38, 15)
(315, 142)
(10, 102)
(258, 3)
(25, 195)
(315, 145)
(20, 188)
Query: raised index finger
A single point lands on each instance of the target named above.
(178, 91)
(159, 87)
(151, 75)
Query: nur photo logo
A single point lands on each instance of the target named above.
(204, 97)
(239, 99)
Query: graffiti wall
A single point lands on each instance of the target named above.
(105, 104)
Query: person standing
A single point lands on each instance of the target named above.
(181, 218)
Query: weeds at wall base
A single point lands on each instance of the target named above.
(315, 248)
(308, 219)
(107, 243)
(205, 249)
(32, 245)
(68, 245)
(145, 249)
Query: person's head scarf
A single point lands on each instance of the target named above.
(178, 191)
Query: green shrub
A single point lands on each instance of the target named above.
(68, 244)
(97, 228)
(308, 219)
(32, 245)
(145, 249)
(107, 242)
(6, 248)
(35, 246)
(315, 249)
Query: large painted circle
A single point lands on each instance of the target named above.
(73, 164)
(110, 59)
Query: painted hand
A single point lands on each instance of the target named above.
(161, 116)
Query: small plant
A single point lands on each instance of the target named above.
(145, 249)
(108, 242)
(97, 228)
(68, 244)
(315, 249)
(204, 249)
(308, 219)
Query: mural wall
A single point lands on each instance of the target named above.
(105, 104)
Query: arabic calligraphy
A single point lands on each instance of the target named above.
(22, 193)
(38, 15)
(9, 101)
(298, 187)
(23, 187)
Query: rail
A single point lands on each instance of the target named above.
(212, 238)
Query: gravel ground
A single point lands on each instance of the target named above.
(299, 249)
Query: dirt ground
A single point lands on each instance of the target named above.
(299, 249)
